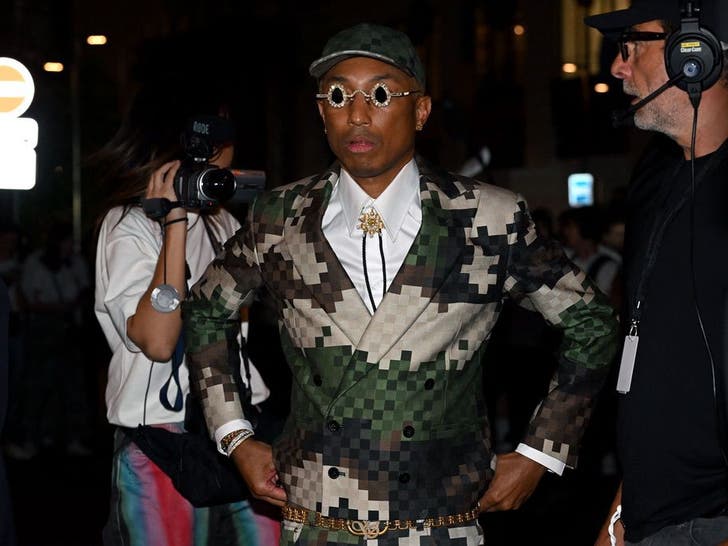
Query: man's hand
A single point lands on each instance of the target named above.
(254, 461)
(516, 477)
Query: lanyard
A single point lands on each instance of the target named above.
(658, 232)
(179, 349)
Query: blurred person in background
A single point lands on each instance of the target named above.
(11, 263)
(581, 230)
(7, 532)
(52, 398)
(135, 255)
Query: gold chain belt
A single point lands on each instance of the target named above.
(372, 529)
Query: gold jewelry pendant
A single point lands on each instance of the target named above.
(371, 223)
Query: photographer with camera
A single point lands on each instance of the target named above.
(163, 222)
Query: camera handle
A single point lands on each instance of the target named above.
(158, 207)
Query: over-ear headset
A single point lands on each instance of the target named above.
(693, 52)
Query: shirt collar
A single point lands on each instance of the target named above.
(400, 198)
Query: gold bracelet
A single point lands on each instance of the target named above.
(232, 436)
(237, 441)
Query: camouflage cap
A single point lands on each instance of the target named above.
(366, 40)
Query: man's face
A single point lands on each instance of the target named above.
(372, 143)
(641, 74)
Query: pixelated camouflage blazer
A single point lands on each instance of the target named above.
(388, 416)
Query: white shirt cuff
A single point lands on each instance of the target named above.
(552, 463)
(227, 428)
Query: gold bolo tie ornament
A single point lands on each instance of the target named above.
(371, 223)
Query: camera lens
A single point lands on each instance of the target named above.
(217, 184)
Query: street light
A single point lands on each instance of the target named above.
(96, 39)
(53, 66)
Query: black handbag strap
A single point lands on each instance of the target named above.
(244, 388)
(177, 356)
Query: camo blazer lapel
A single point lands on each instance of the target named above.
(429, 262)
(315, 263)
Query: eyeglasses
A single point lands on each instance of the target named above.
(379, 95)
(631, 36)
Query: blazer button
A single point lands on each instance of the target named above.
(404, 478)
(408, 431)
(334, 473)
(429, 384)
(334, 426)
(317, 380)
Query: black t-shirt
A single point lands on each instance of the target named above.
(668, 443)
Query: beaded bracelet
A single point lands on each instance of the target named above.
(234, 439)
(237, 441)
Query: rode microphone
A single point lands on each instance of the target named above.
(622, 118)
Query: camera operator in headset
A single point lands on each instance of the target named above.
(135, 256)
(670, 434)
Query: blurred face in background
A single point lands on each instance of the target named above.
(614, 236)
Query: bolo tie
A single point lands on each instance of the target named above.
(371, 224)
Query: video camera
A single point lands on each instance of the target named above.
(200, 186)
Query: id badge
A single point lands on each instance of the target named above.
(626, 366)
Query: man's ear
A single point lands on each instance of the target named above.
(321, 113)
(423, 106)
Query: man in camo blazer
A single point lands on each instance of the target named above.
(388, 437)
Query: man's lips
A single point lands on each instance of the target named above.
(359, 145)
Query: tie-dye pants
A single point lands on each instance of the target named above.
(146, 509)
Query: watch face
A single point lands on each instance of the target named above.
(165, 298)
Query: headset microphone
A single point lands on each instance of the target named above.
(621, 118)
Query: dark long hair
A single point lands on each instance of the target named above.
(149, 135)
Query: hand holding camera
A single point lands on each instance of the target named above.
(160, 197)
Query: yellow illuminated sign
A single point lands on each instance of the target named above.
(18, 136)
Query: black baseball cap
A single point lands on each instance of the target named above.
(713, 16)
(640, 11)
(375, 41)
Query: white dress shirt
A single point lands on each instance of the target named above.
(401, 211)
